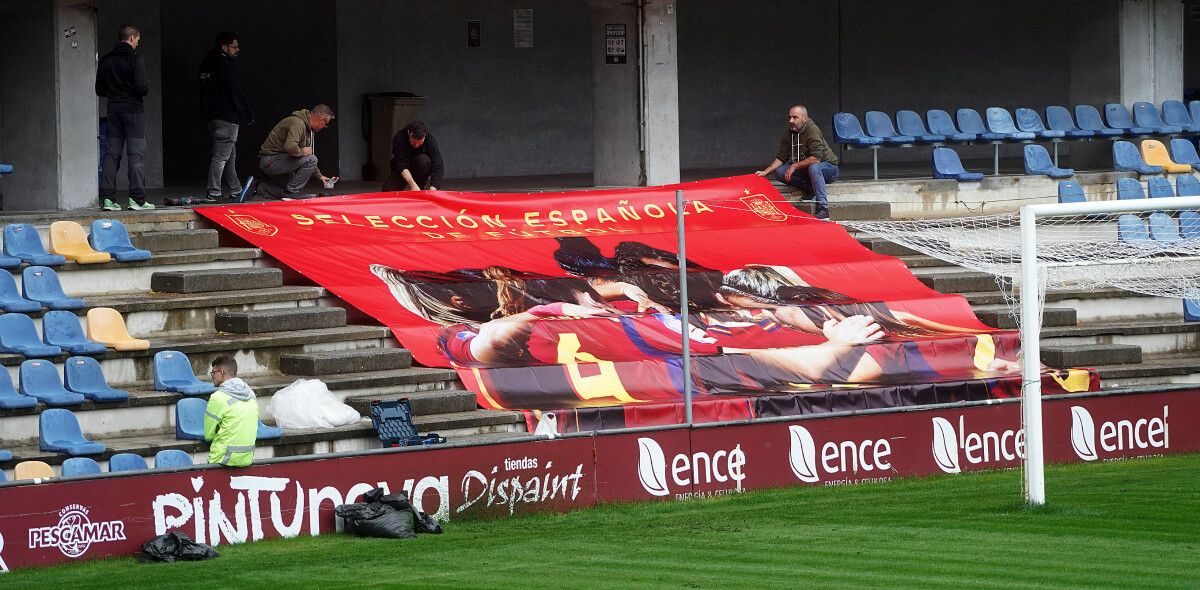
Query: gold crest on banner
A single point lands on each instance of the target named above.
(252, 224)
(763, 207)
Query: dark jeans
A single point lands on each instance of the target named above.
(285, 175)
(811, 180)
(224, 155)
(125, 130)
(420, 168)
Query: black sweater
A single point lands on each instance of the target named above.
(221, 95)
(121, 78)
(403, 154)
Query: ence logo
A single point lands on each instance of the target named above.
(976, 447)
(75, 532)
(1139, 434)
(699, 468)
(846, 457)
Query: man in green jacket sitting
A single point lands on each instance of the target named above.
(231, 419)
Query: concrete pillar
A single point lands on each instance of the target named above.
(660, 91)
(77, 113)
(616, 132)
(1151, 41)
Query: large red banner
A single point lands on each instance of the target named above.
(572, 300)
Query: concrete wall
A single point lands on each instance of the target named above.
(27, 115)
(496, 110)
(143, 14)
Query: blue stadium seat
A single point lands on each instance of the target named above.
(58, 432)
(189, 418)
(946, 164)
(1069, 191)
(5, 456)
(1194, 110)
(22, 241)
(879, 124)
(1191, 310)
(1118, 117)
(110, 235)
(1189, 226)
(969, 121)
(40, 283)
(268, 432)
(1184, 152)
(1059, 118)
(40, 379)
(1128, 188)
(1089, 120)
(10, 296)
(126, 462)
(10, 399)
(1131, 229)
(909, 123)
(1145, 114)
(1163, 228)
(1187, 185)
(1176, 114)
(999, 120)
(62, 329)
(19, 335)
(6, 168)
(1159, 187)
(168, 458)
(846, 130)
(1030, 121)
(80, 466)
(941, 124)
(173, 372)
(1037, 162)
(1126, 158)
(83, 375)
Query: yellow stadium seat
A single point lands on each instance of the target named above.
(1156, 154)
(32, 470)
(68, 239)
(104, 324)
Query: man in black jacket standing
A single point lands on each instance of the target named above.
(416, 160)
(226, 109)
(121, 78)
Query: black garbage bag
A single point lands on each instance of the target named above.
(175, 547)
(422, 523)
(377, 518)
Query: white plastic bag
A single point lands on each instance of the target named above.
(307, 403)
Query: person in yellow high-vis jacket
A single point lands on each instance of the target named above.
(231, 419)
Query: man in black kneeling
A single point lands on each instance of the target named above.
(416, 160)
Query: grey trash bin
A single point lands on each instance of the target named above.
(384, 115)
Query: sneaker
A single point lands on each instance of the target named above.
(139, 206)
(109, 205)
(821, 213)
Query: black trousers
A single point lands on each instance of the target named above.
(421, 167)
(125, 130)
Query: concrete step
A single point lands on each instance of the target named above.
(883, 246)
(177, 240)
(154, 315)
(1000, 317)
(80, 280)
(443, 401)
(1096, 305)
(1157, 370)
(355, 361)
(1090, 355)
(275, 320)
(134, 221)
(924, 261)
(197, 281)
(1153, 337)
(957, 282)
(847, 210)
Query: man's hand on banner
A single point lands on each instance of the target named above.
(856, 329)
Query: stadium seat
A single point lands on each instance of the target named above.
(1037, 162)
(10, 399)
(168, 458)
(1194, 110)
(268, 432)
(909, 123)
(969, 121)
(999, 120)
(173, 372)
(1069, 191)
(1176, 114)
(189, 418)
(1145, 114)
(847, 130)
(126, 462)
(1191, 310)
(1117, 117)
(1127, 159)
(62, 329)
(1187, 186)
(83, 375)
(33, 470)
(104, 324)
(1029, 121)
(1158, 187)
(9, 261)
(80, 466)
(10, 296)
(58, 432)
(5, 456)
(40, 379)
(1089, 120)
(1131, 229)
(1128, 188)
(110, 235)
(67, 239)
(6, 168)
(40, 283)
(1189, 225)
(1155, 154)
(879, 124)
(946, 164)
(1059, 118)
(19, 335)
(941, 124)
(1162, 228)
(21, 240)
(1184, 152)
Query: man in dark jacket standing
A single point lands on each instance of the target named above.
(226, 109)
(416, 160)
(121, 78)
